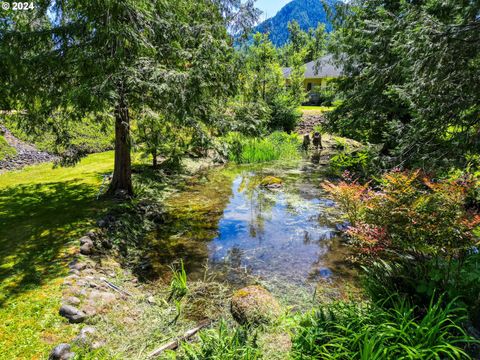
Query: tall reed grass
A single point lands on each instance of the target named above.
(276, 146)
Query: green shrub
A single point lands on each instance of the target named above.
(285, 113)
(360, 163)
(368, 331)
(224, 344)
(276, 146)
(326, 96)
(249, 118)
(6, 151)
(419, 281)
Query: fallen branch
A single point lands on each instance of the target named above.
(116, 288)
(175, 343)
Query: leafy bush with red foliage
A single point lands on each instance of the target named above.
(407, 214)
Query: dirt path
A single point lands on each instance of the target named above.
(310, 119)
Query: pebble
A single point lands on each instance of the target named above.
(79, 266)
(98, 345)
(87, 247)
(73, 300)
(89, 310)
(61, 352)
(73, 314)
(82, 283)
(85, 336)
(104, 297)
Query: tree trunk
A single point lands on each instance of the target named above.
(154, 155)
(121, 184)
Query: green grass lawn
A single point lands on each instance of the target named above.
(317, 108)
(43, 212)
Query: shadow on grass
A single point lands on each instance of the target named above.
(37, 222)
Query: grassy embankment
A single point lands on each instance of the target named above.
(43, 212)
(90, 135)
(5, 149)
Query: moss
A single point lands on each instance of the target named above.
(271, 180)
(241, 293)
(254, 305)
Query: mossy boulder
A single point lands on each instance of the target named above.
(271, 182)
(254, 305)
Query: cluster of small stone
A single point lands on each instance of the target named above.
(26, 153)
(85, 293)
(309, 122)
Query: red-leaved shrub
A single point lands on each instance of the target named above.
(408, 213)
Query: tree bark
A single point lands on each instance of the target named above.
(154, 162)
(121, 184)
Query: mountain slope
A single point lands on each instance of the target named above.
(308, 13)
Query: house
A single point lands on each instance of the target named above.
(317, 73)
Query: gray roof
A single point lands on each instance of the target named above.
(325, 69)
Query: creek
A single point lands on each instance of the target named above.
(225, 225)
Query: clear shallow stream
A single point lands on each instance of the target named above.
(224, 224)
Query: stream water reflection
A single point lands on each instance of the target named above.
(243, 232)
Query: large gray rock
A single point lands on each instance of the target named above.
(61, 352)
(86, 245)
(85, 239)
(73, 314)
(254, 305)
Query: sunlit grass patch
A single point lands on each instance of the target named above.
(276, 146)
(137, 324)
(43, 211)
(316, 108)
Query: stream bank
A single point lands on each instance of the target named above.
(230, 230)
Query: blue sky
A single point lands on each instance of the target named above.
(270, 7)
